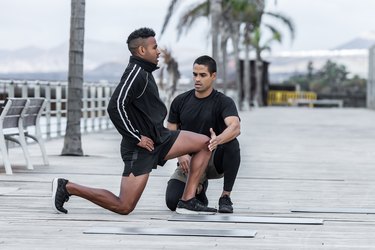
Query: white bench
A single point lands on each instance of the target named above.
(17, 115)
(31, 119)
(319, 103)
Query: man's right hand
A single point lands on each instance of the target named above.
(184, 163)
(146, 143)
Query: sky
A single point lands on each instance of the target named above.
(320, 24)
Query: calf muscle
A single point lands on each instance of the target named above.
(187, 143)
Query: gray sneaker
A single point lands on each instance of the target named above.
(59, 195)
(193, 206)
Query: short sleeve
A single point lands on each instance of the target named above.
(228, 107)
(174, 112)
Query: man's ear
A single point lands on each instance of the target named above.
(141, 50)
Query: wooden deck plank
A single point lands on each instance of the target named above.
(291, 157)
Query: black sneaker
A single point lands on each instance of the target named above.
(59, 195)
(225, 204)
(202, 197)
(193, 206)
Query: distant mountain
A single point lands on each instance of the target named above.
(107, 60)
(363, 41)
(111, 71)
(102, 60)
(32, 59)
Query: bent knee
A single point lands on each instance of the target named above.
(124, 209)
(205, 141)
(171, 203)
(173, 193)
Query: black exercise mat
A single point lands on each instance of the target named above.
(333, 210)
(243, 233)
(245, 219)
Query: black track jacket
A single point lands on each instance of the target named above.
(135, 107)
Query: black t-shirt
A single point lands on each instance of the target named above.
(200, 114)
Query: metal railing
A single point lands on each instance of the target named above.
(53, 122)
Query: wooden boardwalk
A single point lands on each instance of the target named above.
(291, 158)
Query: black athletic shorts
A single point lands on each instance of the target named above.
(140, 161)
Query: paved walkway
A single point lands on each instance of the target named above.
(291, 158)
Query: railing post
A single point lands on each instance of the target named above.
(92, 107)
(64, 99)
(58, 108)
(37, 89)
(85, 107)
(107, 94)
(24, 90)
(11, 89)
(47, 89)
(100, 105)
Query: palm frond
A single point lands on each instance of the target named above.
(286, 20)
(276, 34)
(171, 8)
(191, 15)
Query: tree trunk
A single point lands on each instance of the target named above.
(72, 140)
(370, 97)
(258, 81)
(236, 41)
(246, 79)
(224, 42)
(215, 10)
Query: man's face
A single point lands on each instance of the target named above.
(203, 80)
(151, 51)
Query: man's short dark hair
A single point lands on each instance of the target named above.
(207, 61)
(135, 39)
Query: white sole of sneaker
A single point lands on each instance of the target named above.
(54, 190)
(186, 211)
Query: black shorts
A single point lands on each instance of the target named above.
(140, 161)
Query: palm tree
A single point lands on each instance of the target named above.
(230, 28)
(255, 42)
(250, 15)
(259, 48)
(215, 11)
(223, 27)
(204, 9)
(225, 32)
(237, 14)
(72, 139)
(234, 15)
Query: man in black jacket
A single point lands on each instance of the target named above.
(138, 113)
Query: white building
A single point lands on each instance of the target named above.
(353, 55)
(288, 63)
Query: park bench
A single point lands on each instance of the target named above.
(31, 119)
(16, 117)
(319, 103)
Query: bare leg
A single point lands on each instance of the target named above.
(225, 193)
(131, 190)
(189, 142)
